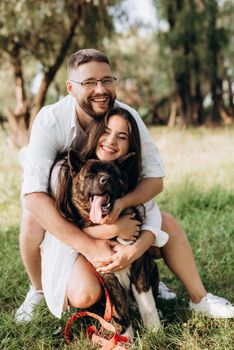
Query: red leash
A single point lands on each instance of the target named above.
(107, 341)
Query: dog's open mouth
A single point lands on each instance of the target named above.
(100, 206)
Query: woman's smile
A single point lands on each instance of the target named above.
(114, 143)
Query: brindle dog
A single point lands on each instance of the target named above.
(94, 186)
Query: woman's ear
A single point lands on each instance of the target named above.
(126, 161)
(74, 161)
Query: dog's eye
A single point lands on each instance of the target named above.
(91, 175)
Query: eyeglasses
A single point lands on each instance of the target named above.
(92, 83)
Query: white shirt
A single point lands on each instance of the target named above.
(53, 131)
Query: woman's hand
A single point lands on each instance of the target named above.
(127, 227)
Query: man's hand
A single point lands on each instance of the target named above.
(125, 255)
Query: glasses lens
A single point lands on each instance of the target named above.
(89, 84)
(108, 81)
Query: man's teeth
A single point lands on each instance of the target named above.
(100, 99)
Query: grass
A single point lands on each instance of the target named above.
(199, 192)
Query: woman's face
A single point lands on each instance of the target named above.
(114, 143)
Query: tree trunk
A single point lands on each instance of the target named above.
(22, 118)
(19, 117)
(214, 48)
(230, 98)
(199, 110)
(183, 88)
(49, 76)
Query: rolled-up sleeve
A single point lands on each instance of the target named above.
(39, 155)
(152, 165)
(153, 222)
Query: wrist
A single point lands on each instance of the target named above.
(145, 241)
(122, 203)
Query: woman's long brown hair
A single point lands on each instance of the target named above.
(96, 130)
(87, 150)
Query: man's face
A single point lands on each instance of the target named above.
(93, 101)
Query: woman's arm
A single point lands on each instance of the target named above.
(147, 189)
(125, 227)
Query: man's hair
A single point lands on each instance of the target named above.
(84, 56)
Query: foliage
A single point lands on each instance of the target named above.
(43, 33)
(144, 78)
(198, 191)
(197, 39)
(179, 72)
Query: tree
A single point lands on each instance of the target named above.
(43, 32)
(196, 41)
(216, 40)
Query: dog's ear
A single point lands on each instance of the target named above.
(74, 161)
(126, 161)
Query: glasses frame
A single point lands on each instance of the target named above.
(82, 83)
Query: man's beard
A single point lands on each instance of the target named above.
(88, 109)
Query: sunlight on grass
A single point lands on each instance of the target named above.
(204, 157)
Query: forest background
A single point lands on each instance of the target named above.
(178, 70)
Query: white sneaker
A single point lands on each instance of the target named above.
(26, 311)
(165, 293)
(213, 306)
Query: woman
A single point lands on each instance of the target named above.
(66, 277)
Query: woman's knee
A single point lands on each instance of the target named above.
(171, 226)
(84, 296)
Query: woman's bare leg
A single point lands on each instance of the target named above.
(178, 256)
(83, 288)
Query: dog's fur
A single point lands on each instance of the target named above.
(140, 280)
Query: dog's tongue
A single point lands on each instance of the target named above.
(96, 209)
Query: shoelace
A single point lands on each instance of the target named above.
(216, 300)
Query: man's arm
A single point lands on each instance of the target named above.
(147, 189)
(42, 207)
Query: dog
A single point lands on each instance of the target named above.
(94, 187)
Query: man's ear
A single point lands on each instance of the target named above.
(126, 161)
(74, 161)
(69, 87)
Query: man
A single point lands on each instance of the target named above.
(91, 92)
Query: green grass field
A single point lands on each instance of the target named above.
(199, 192)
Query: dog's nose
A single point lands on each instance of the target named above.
(103, 180)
